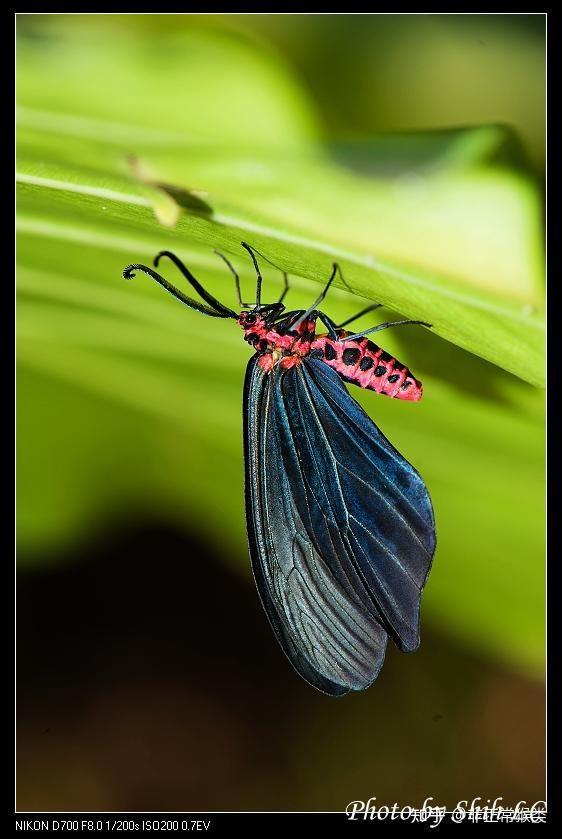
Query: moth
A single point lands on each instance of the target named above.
(340, 526)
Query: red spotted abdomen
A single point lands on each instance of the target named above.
(367, 365)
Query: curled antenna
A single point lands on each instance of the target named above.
(211, 311)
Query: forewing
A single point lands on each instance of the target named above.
(319, 611)
(370, 495)
(341, 526)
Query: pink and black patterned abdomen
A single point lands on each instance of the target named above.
(367, 365)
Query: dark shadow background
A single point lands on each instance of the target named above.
(149, 679)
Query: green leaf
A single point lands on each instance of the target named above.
(129, 402)
(507, 332)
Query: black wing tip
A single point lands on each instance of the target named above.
(337, 693)
(333, 689)
(409, 645)
(337, 689)
(408, 637)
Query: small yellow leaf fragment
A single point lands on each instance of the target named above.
(166, 210)
(168, 200)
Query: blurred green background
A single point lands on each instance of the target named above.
(411, 149)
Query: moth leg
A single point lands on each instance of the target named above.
(232, 269)
(250, 250)
(321, 296)
(285, 286)
(386, 326)
(370, 308)
(266, 259)
(329, 324)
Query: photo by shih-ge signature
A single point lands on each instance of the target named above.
(477, 810)
(340, 526)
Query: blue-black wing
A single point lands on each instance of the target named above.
(340, 526)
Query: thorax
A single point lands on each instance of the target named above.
(284, 339)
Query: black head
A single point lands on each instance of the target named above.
(260, 316)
